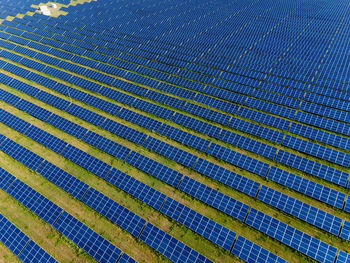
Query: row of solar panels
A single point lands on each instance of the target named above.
(23, 155)
(200, 53)
(212, 118)
(267, 96)
(183, 214)
(183, 120)
(99, 248)
(187, 159)
(263, 95)
(332, 175)
(294, 26)
(83, 161)
(139, 138)
(94, 244)
(215, 116)
(19, 243)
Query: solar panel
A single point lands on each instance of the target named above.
(291, 236)
(34, 253)
(67, 126)
(36, 202)
(321, 136)
(251, 252)
(184, 137)
(301, 210)
(139, 119)
(46, 139)
(154, 168)
(214, 198)
(87, 161)
(13, 121)
(196, 124)
(317, 150)
(345, 232)
(94, 244)
(343, 257)
(200, 224)
(227, 177)
(114, 211)
(238, 159)
(124, 131)
(125, 258)
(107, 145)
(173, 249)
(307, 187)
(63, 179)
(21, 154)
(172, 152)
(317, 169)
(11, 236)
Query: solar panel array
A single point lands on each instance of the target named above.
(240, 106)
(20, 244)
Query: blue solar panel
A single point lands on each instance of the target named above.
(248, 144)
(347, 205)
(13, 121)
(227, 177)
(21, 154)
(207, 113)
(321, 136)
(301, 210)
(322, 122)
(86, 160)
(53, 100)
(6, 179)
(200, 224)
(140, 119)
(195, 124)
(171, 152)
(255, 129)
(153, 108)
(125, 258)
(8, 97)
(94, 244)
(173, 249)
(34, 110)
(67, 126)
(102, 104)
(136, 188)
(345, 232)
(85, 114)
(264, 118)
(34, 253)
(291, 236)
(63, 179)
(317, 169)
(36, 202)
(154, 168)
(251, 252)
(46, 139)
(124, 131)
(114, 211)
(307, 187)
(107, 145)
(343, 257)
(238, 159)
(184, 137)
(317, 150)
(214, 198)
(11, 236)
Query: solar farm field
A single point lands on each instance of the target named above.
(175, 131)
